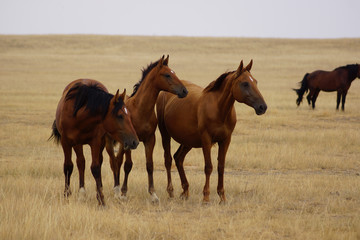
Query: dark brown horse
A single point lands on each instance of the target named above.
(155, 78)
(205, 117)
(338, 80)
(85, 114)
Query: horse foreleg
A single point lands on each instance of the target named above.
(179, 157)
(80, 162)
(68, 167)
(97, 159)
(206, 147)
(149, 148)
(127, 169)
(223, 147)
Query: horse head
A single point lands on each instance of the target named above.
(245, 90)
(167, 80)
(118, 123)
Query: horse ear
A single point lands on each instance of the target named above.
(240, 69)
(166, 61)
(123, 94)
(116, 97)
(248, 67)
(161, 62)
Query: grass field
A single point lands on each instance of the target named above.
(292, 173)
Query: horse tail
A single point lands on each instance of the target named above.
(303, 89)
(55, 133)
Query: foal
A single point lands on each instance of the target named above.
(85, 114)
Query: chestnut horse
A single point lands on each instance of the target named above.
(205, 117)
(155, 78)
(338, 80)
(85, 114)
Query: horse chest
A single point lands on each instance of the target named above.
(145, 128)
(219, 133)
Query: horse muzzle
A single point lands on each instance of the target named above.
(182, 92)
(261, 109)
(131, 144)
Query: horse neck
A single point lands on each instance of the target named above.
(226, 100)
(146, 96)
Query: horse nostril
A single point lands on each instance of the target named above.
(135, 144)
(262, 108)
(183, 93)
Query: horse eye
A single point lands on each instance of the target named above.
(245, 84)
(167, 75)
(121, 117)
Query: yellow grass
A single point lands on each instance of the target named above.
(292, 173)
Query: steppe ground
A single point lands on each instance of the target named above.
(292, 173)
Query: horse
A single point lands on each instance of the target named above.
(205, 117)
(85, 114)
(155, 78)
(338, 80)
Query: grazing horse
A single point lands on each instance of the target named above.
(205, 117)
(85, 114)
(338, 80)
(155, 78)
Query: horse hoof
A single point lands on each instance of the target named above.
(184, 195)
(67, 193)
(154, 199)
(82, 194)
(205, 203)
(117, 193)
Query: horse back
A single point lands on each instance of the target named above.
(70, 127)
(87, 82)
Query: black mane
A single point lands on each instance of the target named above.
(93, 98)
(215, 85)
(352, 70)
(145, 72)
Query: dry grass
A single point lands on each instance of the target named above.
(292, 173)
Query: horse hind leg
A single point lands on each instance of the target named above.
(97, 159)
(314, 97)
(343, 100)
(80, 162)
(308, 97)
(68, 167)
(166, 143)
(338, 98)
(179, 157)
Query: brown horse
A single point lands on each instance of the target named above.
(155, 78)
(338, 80)
(205, 117)
(85, 114)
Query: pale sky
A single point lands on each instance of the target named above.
(222, 18)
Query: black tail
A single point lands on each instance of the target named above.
(303, 89)
(55, 133)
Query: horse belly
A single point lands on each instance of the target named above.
(182, 127)
(189, 139)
